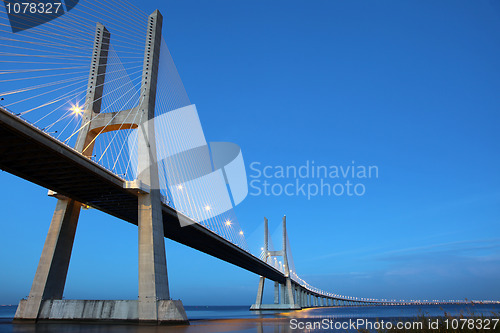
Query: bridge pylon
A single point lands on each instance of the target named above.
(153, 304)
(292, 296)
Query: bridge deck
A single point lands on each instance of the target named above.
(31, 154)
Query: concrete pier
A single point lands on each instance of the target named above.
(153, 279)
(169, 311)
(153, 305)
(289, 298)
(276, 292)
(289, 294)
(50, 276)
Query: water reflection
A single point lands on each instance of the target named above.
(239, 319)
(263, 325)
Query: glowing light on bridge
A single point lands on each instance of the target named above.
(76, 109)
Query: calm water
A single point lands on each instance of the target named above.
(240, 319)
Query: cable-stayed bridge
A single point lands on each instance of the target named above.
(97, 113)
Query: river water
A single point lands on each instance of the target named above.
(240, 319)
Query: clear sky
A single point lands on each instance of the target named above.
(411, 87)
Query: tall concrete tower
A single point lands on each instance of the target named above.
(153, 305)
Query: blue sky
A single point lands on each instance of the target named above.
(411, 87)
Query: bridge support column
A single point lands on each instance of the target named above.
(276, 292)
(52, 270)
(154, 304)
(287, 269)
(50, 276)
(154, 297)
(260, 291)
(290, 292)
